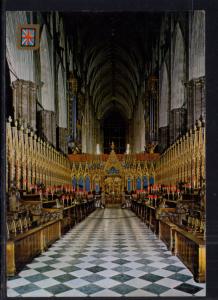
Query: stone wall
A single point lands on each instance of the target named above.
(177, 125)
(48, 126)
(24, 102)
(62, 139)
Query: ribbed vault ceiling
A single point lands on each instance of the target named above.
(112, 54)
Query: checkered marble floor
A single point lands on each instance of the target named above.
(111, 253)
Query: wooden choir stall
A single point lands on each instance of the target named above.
(174, 207)
(41, 203)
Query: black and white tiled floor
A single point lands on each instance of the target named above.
(111, 253)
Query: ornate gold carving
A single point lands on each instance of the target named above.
(113, 162)
(184, 161)
(31, 161)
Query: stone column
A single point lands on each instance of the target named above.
(84, 134)
(32, 107)
(101, 136)
(163, 137)
(128, 133)
(151, 108)
(133, 132)
(48, 125)
(89, 129)
(177, 123)
(196, 107)
(199, 101)
(62, 141)
(190, 105)
(53, 128)
(80, 113)
(24, 101)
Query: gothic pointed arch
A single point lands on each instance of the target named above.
(62, 101)
(164, 97)
(47, 78)
(197, 46)
(178, 70)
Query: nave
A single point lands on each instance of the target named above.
(110, 253)
(110, 108)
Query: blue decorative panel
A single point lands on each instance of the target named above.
(87, 184)
(145, 182)
(151, 180)
(97, 188)
(74, 182)
(81, 183)
(138, 183)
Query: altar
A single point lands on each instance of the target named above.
(113, 179)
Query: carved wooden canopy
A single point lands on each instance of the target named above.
(113, 166)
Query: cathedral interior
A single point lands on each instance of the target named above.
(106, 154)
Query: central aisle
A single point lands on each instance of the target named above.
(111, 253)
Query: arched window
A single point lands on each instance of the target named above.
(197, 46)
(62, 101)
(164, 97)
(47, 89)
(178, 71)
